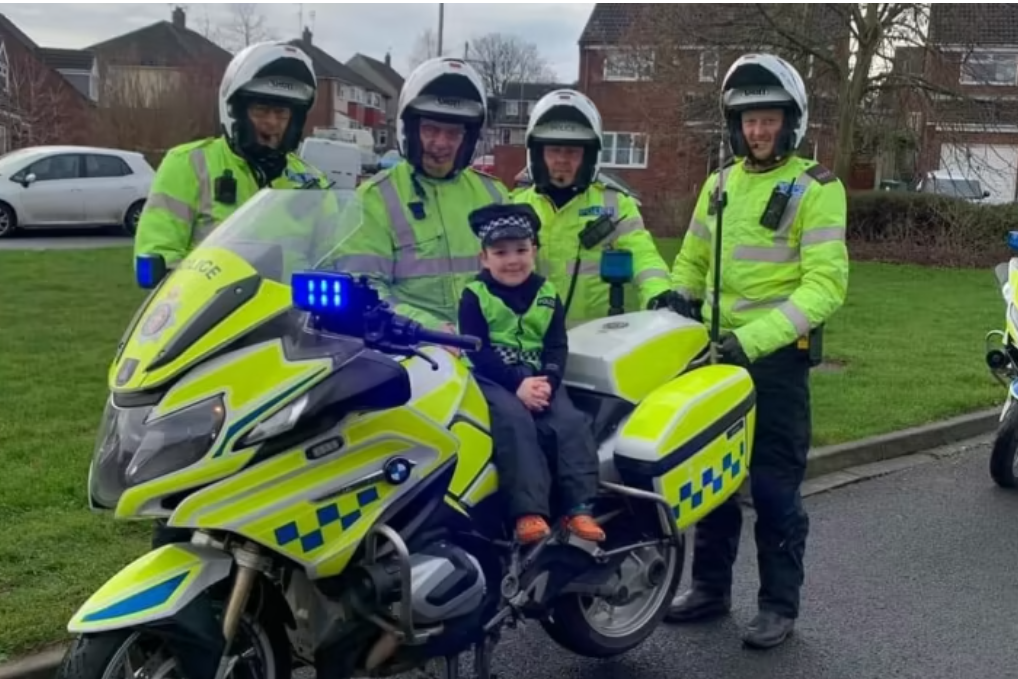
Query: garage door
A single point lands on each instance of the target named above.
(994, 165)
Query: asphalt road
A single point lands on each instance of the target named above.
(65, 239)
(910, 575)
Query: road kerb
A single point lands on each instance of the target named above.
(825, 461)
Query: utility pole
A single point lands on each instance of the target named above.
(441, 25)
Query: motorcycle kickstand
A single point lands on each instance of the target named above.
(483, 655)
(452, 667)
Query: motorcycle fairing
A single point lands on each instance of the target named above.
(154, 587)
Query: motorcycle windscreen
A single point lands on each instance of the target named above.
(235, 281)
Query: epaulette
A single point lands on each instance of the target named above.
(821, 174)
(486, 174)
(184, 149)
(610, 185)
(377, 177)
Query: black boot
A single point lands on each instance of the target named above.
(699, 604)
(767, 630)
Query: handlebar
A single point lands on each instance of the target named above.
(449, 339)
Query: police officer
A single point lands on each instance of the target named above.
(784, 273)
(416, 244)
(564, 141)
(264, 99)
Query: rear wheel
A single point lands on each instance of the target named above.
(132, 217)
(1004, 456)
(597, 627)
(262, 652)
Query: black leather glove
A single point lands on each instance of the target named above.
(731, 352)
(677, 303)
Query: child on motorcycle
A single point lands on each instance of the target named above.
(521, 320)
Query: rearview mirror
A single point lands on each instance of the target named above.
(29, 180)
(986, 194)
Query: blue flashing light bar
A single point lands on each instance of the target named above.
(319, 291)
(149, 270)
(1012, 240)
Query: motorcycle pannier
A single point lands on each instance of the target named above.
(691, 440)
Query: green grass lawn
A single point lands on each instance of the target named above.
(911, 340)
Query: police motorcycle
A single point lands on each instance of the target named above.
(333, 465)
(1002, 359)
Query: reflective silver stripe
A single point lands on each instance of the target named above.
(611, 202)
(792, 209)
(408, 267)
(204, 220)
(689, 293)
(489, 184)
(174, 206)
(750, 305)
(698, 229)
(627, 226)
(796, 317)
(364, 264)
(394, 206)
(824, 234)
(588, 268)
(777, 254)
(650, 274)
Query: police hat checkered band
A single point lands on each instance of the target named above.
(280, 88)
(506, 227)
(563, 130)
(447, 106)
(756, 97)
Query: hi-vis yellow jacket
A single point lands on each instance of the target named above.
(776, 284)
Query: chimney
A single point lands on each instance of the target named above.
(179, 17)
(388, 60)
(307, 35)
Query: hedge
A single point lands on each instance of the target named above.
(897, 226)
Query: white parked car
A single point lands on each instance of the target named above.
(72, 186)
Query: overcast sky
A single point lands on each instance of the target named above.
(340, 29)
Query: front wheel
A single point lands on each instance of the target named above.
(262, 649)
(595, 627)
(1004, 456)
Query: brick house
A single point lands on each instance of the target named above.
(78, 67)
(389, 82)
(657, 88)
(970, 126)
(345, 98)
(37, 104)
(158, 87)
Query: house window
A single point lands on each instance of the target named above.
(5, 69)
(710, 61)
(624, 149)
(512, 107)
(634, 64)
(381, 137)
(987, 68)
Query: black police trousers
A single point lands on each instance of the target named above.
(777, 470)
(532, 449)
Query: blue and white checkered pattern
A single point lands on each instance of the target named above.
(325, 516)
(711, 480)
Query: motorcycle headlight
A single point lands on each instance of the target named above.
(132, 450)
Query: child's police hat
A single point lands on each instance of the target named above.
(494, 223)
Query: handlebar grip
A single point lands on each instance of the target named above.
(466, 342)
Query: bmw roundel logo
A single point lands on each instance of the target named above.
(397, 470)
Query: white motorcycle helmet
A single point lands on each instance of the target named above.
(760, 81)
(269, 72)
(447, 90)
(564, 118)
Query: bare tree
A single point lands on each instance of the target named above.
(845, 52)
(40, 108)
(245, 26)
(502, 59)
(152, 111)
(425, 47)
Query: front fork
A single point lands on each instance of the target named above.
(250, 563)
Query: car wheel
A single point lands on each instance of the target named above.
(8, 221)
(132, 217)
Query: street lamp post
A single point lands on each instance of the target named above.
(441, 25)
